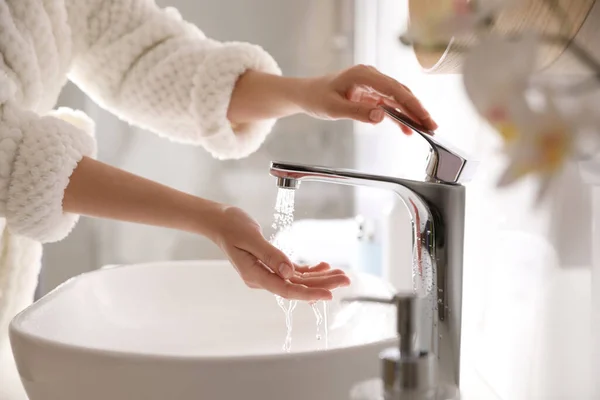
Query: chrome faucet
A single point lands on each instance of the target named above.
(437, 208)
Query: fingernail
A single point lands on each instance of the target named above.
(376, 115)
(432, 124)
(285, 270)
(355, 94)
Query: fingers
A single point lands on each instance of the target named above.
(360, 104)
(256, 275)
(325, 282)
(405, 129)
(395, 104)
(271, 256)
(390, 87)
(363, 95)
(359, 111)
(330, 272)
(317, 268)
(321, 276)
(291, 290)
(321, 269)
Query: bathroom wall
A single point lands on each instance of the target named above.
(591, 173)
(307, 38)
(527, 294)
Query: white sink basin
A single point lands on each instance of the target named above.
(193, 330)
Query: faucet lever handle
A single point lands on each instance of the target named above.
(445, 163)
(408, 310)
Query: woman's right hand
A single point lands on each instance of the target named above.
(99, 190)
(262, 266)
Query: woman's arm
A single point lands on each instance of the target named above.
(48, 177)
(154, 70)
(37, 156)
(99, 190)
(151, 68)
(279, 96)
(351, 94)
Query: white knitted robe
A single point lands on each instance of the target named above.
(144, 64)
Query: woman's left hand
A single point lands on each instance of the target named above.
(355, 94)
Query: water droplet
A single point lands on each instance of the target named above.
(283, 218)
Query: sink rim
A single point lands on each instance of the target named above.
(17, 333)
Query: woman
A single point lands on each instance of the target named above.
(154, 70)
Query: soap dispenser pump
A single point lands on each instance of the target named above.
(407, 373)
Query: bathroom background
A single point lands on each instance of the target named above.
(527, 281)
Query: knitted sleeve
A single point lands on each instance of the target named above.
(37, 157)
(154, 70)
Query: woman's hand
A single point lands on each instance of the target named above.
(99, 190)
(355, 94)
(351, 94)
(262, 266)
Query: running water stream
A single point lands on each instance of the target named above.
(283, 219)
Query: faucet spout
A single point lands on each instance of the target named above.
(288, 183)
(437, 213)
(289, 176)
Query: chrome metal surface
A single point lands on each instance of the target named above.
(287, 183)
(408, 311)
(401, 373)
(437, 211)
(405, 368)
(445, 163)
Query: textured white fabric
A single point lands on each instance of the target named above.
(143, 63)
(152, 69)
(34, 177)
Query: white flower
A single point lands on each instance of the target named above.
(538, 138)
(542, 125)
(542, 147)
(496, 76)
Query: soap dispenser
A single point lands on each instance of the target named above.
(407, 373)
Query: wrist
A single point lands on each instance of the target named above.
(258, 96)
(305, 94)
(297, 93)
(207, 219)
(287, 95)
